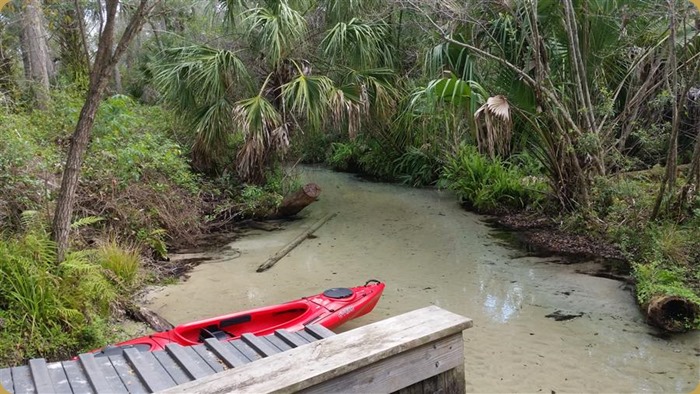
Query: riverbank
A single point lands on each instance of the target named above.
(430, 251)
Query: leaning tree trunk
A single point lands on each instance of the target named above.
(105, 60)
(35, 52)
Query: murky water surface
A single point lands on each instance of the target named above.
(430, 251)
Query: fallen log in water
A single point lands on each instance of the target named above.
(671, 313)
(295, 202)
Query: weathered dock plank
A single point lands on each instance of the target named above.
(308, 337)
(290, 339)
(276, 342)
(385, 356)
(318, 331)
(101, 374)
(261, 346)
(394, 373)
(76, 377)
(189, 361)
(59, 378)
(127, 374)
(209, 358)
(175, 371)
(40, 376)
(94, 374)
(152, 374)
(246, 350)
(225, 352)
(22, 378)
(6, 379)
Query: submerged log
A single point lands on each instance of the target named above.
(295, 202)
(672, 313)
(299, 239)
(145, 315)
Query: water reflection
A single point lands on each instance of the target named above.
(501, 306)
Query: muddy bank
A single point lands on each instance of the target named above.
(430, 251)
(542, 236)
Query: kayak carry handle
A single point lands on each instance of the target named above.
(372, 281)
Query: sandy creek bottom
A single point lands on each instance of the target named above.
(430, 251)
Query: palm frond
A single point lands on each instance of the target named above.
(277, 29)
(308, 96)
(494, 135)
(264, 132)
(358, 44)
(346, 109)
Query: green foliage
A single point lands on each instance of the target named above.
(29, 155)
(312, 146)
(358, 44)
(256, 201)
(658, 278)
(49, 310)
(343, 156)
(489, 186)
(124, 262)
(122, 150)
(155, 239)
(418, 167)
(260, 201)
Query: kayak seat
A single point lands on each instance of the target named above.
(213, 332)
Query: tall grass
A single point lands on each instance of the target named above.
(124, 262)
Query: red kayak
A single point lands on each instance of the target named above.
(330, 309)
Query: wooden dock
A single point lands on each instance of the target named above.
(418, 352)
(147, 372)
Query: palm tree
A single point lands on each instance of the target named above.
(267, 91)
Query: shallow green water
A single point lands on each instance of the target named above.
(430, 251)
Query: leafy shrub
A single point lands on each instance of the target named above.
(137, 177)
(343, 156)
(489, 186)
(256, 201)
(311, 146)
(417, 167)
(375, 160)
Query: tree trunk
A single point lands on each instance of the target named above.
(693, 176)
(35, 52)
(295, 202)
(105, 61)
(117, 79)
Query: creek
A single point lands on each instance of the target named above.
(430, 251)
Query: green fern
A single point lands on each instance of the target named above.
(86, 221)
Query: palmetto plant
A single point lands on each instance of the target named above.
(562, 70)
(276, 92)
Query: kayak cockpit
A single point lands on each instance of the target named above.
(229, 327)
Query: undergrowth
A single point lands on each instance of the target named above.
(490, 185)
(55, 310)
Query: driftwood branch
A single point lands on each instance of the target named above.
(299, 239)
